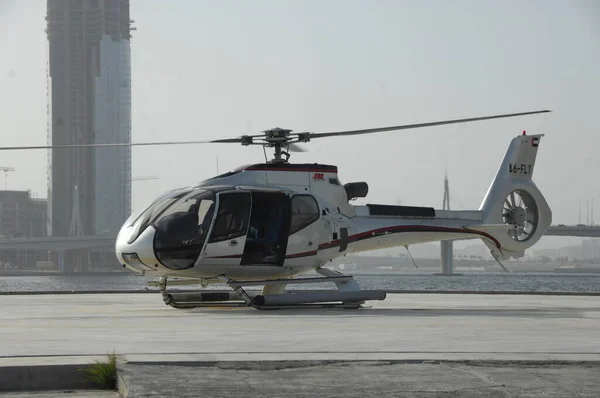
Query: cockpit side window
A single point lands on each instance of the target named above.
(305, 211)
(232, 218)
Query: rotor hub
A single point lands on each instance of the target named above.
(277, 132)
(279, 139)
(519, 216)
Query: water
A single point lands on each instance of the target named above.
(513, 282)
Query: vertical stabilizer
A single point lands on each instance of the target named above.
(514, 200)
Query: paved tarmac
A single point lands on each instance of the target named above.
(399, 335)
(404, 326)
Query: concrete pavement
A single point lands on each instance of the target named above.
(361, 379)
(71, 329)
(62, 394)
(412, 326)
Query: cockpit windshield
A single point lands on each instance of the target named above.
(181, 229)
(136, 215)
(154, 210)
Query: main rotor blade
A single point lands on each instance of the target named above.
(226, 141)
(247, 140)
(420, 125)
(117, 144)
(296, 148)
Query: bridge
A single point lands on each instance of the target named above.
(57, 244)
(63, 246)
(582, 231)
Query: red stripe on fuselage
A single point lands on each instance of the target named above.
(295, 255)
(304, 254)
(292, 169)
(393, 230)
(406, 228)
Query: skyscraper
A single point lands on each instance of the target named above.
(89, 89)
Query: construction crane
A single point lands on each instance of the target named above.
(144, 178)
(6, 170)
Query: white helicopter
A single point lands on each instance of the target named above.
(266, 224)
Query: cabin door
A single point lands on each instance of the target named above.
(227, 237)
(268, 232)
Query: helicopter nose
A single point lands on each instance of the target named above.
(139, 254)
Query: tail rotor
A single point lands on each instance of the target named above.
(520, 210)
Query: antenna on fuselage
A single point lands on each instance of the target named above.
(411, 257)
(499, 262)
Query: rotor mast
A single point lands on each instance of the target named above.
(281, 140)
(277, 138)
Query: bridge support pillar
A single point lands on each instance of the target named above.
(82, 262)
(447, 257)
(61, 261)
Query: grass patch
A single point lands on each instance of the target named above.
(103, 372)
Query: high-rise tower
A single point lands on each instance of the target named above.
(89, 89)
(446, 201)
(447, 249)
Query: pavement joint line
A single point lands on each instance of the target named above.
(214, 362)
(307, 352)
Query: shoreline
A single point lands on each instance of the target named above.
(56, 273)
(423, 271)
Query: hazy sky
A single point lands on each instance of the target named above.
(208, 69)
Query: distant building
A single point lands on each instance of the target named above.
(89, 89)
(22, 216)
(589, 249)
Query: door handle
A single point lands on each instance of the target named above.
(232, 242)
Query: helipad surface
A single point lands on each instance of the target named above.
(404, 326)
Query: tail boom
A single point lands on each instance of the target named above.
(373, 232)
(513, 216)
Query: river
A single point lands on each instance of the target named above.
(476, 281)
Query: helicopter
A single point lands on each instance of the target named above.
(269, 224)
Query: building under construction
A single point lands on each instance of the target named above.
(89, 89)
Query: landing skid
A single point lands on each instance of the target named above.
(274, 295)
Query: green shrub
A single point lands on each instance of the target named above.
(103, 372)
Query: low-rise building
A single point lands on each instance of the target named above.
(22, 216)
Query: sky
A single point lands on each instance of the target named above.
(203, 69)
